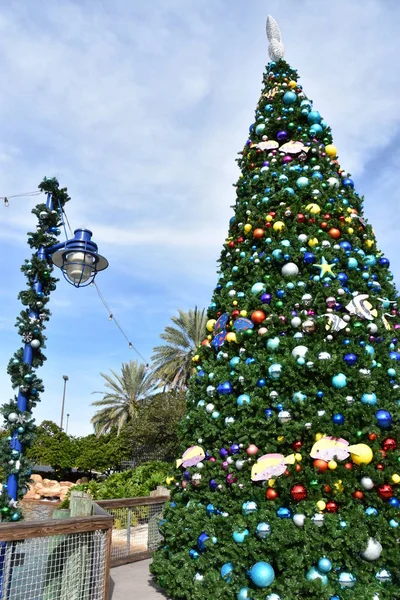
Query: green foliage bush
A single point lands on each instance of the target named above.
(128, 484)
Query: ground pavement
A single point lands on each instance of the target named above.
(134, 582)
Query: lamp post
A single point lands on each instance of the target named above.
(66, 427)
(65, 377)
(79, 261)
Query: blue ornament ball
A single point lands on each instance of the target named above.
(384, 262)
(263, 530)
(324, 565)
(350, 359)
(384, 418)
(369, 399)
(193, 554)
(338, 419)
(201, 541)
(313, 574)
(348, 183)
(261, 383)
(314, 117)
(243, 594)
(262, 574)
(339, 381)
(315, 130)
(275, 371)
(284, 513)
(302, 182)
(289, 98)
(226, 572)
(309, 258)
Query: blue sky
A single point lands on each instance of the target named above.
(139, 109)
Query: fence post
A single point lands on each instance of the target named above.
(128, 532)
(80, 504)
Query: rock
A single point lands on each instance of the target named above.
(36, 478)
(53, 483)
(38, 485)
(49, 492)
(37, 497)
(82, 480)
(31, 493)
(66, 484)
(46, 481)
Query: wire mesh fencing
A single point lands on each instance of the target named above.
(135, 532)
(73, 565)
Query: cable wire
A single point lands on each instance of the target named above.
(7, 198)
(112, 318)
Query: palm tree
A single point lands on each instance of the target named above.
(172, 362)
(122, 398)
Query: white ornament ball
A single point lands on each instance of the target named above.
(306, 299)
(324, 356)
(239, 465)
(295, 322)
(35, 344)
(229, 460)
(333, 182)
(200, 466)
(341, 292)
(232, 293)
(210, 407)
(302, 238)
(372, 328)
(284, 416)
(290, 270)
(12, 417)
(299, 519)
(198, 577)
(367, 483)
(318, 520)
(299, 351)
(372, 551)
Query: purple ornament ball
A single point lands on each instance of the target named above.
(282, 136)
(266, 298)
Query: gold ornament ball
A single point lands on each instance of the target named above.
(247, 228)
(332, 465)
(364, 455)
(331, 150)
(321, 505)
(278, 226)
(313, 208)
(396, 478)
(210, 324)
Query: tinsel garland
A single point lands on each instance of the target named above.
(31, 329)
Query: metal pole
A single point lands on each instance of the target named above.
(65, 377)
(66, 428)
(22, 400)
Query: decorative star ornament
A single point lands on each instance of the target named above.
(325, 268)
(13, 503)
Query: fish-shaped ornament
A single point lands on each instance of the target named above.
(270, 465)
(329, 447)
(361, 307)
(335, 323)
(267, 145)
(386, 323)
(191, 457)
(293, 147)
(219, 340)
(242, 324)
(221, 323)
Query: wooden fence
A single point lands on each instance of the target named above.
(56, 559)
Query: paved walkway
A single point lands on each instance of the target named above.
(134, 582)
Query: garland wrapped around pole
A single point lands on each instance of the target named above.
(17, 413)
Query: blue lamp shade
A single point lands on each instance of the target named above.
(79, 260)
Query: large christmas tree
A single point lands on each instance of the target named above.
(287, 484)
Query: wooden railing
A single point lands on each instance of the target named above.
(40, 559)
(135, 532)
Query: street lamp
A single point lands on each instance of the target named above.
(79, 261)
(65, 377)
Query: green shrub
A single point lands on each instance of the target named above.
(128, 484)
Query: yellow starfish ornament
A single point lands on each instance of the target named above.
(325, 268)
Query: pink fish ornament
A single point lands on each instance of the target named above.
(191, 457)
(270, 465)
(328, 448)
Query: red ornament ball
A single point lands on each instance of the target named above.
(298, 492)
(331, 506)
(258, 316)
(320, 465)
(385, 491)
(258, 233)
(235, 313)
(240, 240)
(348, 466)
(380, 467)
(298, 467)
(297, 445)
(389, 444)
(334, 233)
(252, 450)
(372, 437)
(358, 495)
(271, 494)
(231, 244)
(301, 218)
